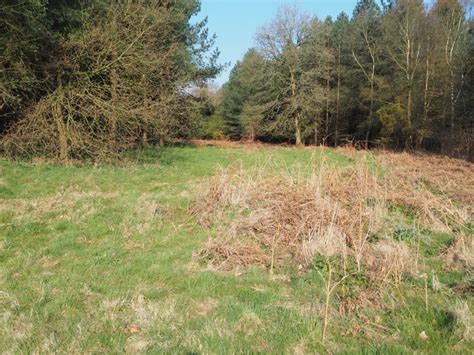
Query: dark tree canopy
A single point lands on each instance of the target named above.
(90, 78)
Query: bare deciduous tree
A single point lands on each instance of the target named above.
(281, 42)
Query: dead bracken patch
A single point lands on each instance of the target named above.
(234, 144)
(452, 177)
(279, 219)
(270, 220)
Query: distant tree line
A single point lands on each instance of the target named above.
(88, 78)
(398, 75)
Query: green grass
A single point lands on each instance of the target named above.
(89, 252)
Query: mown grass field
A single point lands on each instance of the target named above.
(99, 258)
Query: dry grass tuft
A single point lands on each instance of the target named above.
(68, 206)
(147, 210)
(250, 324)
(389, 260)
(461, 254)
(465, 320)
(14, 326)
(207, 306)
(138, 315)
(136, 345)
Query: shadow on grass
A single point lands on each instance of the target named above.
(158, 155)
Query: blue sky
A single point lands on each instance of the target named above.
(236, 21)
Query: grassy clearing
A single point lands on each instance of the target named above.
(104, 258)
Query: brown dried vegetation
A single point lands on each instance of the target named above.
(272, 220)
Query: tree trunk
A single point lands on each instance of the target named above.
(452, 100)
(327, 109)
(371, 111)
(298, 140)
(338, 97)
(252, 134)
(114, 86)
(372, 79)
(114, 93)
(316, 132)
(425, 95)
(298, 131)
(59, 122)
(145, 106)
(426, 102)
(409, 105)
(62, 136)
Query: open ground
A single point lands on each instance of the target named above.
(224, 249)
